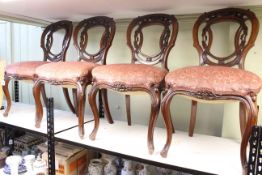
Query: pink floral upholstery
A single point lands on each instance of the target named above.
(23, 69)
(129, 74)
(60, 71)
(216, 79)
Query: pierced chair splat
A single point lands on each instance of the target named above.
(26, 70)
(76, 73)
(143, 76)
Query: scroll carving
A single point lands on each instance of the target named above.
(121, 87)
(81, 41)
(47, 40)
(166, 40)
(204, 94)
(242, 43)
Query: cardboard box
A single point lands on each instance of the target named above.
(71, 160)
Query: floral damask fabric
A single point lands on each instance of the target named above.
(60, 71)
(215, 79)
(129, 74)
(24, 68)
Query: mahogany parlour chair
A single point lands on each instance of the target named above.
(26, 70)
(76, 73)
(143, 76)
(216, 80)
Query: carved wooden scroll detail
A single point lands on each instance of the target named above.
(166, 40)
(242, 43)
(47, 40)
(81, 38)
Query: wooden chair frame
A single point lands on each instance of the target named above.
(248, 102)
(167, 41)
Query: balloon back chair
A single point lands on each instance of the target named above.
(76, 74)
(143, 76)
(26, 70)
(216, 80)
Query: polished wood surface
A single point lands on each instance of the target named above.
(46, 45)
(135, 42)
(248, 107)
(80, 84)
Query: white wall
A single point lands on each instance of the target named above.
(215, 120)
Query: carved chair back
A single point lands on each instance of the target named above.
(47, 40)
(166, 41)
(243, 41)
(80, 37)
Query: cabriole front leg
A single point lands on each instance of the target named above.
(7, 96)
(38, 104)
(251, 109)
(92, 102)
(165, 107)
(81, 109)
(155, 105)
(163, 95)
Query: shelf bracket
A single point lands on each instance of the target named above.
(50, 136)
(16, 87)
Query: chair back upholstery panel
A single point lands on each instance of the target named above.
(80, 37)
(166, 40)
(47, 40)
(243, 41)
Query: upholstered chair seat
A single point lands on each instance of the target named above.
(23, 69)
(215, 79)
(65, 71)
(129, 74)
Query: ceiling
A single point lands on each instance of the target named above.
(76, 10)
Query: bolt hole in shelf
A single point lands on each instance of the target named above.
(201, 154)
